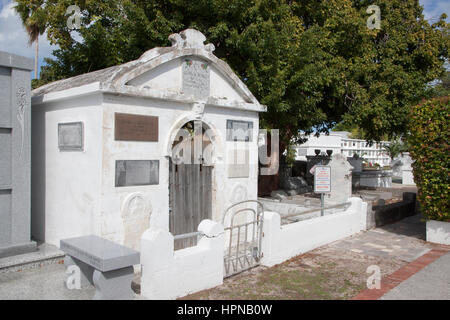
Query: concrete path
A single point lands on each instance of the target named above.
(403, 240)
(430, 283)
(426, 274)
(41, 283)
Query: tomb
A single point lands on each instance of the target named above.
(15, 154)
(111, 148)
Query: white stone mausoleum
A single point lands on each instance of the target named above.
(106, 146)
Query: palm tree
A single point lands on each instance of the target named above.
(32, 13)
(395, 147)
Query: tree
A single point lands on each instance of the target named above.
(442, 89)
(395, 147)
(33, 16)
(313, 63)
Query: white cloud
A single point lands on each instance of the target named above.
(14, 39)
(434, 8)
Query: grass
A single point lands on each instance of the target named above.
(289, 281)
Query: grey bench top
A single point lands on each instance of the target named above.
(104, 255)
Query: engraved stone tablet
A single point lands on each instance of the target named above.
(195, 78)
(137, 172)
(131, 127)
(70, 136)
(239, 130)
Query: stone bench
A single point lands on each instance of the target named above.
(105, 264)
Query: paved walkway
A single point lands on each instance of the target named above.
(430, 283)
(403, 240)
(41, 283)
(426, 275)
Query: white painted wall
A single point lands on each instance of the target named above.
(66, 185)
(281, 243)
(169, 274)
(438, 232)
(168, 76)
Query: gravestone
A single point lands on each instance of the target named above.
(407, 171)
(341, 179)
(15, 146)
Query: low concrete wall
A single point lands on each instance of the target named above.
(281, 243)
(169, 274)
(381, 215)
(438, 232)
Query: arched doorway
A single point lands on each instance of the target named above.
(190, 181)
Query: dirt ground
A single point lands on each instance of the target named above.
(325, 273)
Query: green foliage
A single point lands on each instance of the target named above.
(442, 89)
(313, 63)
(291, 153)
(429, 140)
(396, 147)
(33, 16)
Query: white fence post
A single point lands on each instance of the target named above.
(271, 230)
(169, 274)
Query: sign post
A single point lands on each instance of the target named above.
(322, 183)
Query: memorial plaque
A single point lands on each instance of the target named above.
(196, 78)
(239, 130)
(70, 136)
(131, 127)
(137, 172)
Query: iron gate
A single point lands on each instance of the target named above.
(243, 249)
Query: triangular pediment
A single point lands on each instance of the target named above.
(188, 68)
(192, 76)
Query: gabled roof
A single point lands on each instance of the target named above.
(116, 79)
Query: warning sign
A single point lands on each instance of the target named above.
(322, 179)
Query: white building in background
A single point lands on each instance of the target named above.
(339, 142)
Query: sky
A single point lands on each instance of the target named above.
(14, 39)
